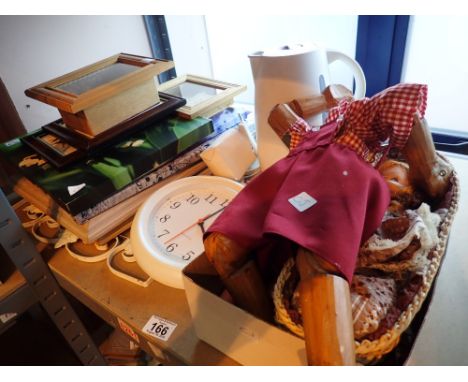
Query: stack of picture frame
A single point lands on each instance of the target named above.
(61, 146)
(98, 104)
(105, 101)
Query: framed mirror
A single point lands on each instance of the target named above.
(204, 96)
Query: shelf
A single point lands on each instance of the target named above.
(116, 300)
(33, 282)
(14, 282)
(16, 297)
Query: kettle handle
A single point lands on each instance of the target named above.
(360, 91)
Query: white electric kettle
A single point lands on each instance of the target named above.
(283, 74)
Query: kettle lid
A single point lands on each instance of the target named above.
(286, 50)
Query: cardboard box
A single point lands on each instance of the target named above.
(253, 342)
(241, 336)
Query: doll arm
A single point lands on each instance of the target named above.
(289, 118)
(332, 95)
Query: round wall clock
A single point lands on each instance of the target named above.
(167, 231)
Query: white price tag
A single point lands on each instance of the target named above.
(159, 327)
(302, 201)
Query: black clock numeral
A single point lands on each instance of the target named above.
(164, 218)
(166, 232)
(188, 255)
(193, 199)
(225, 203)
(211, 198)
(170, 248)
(175, 205)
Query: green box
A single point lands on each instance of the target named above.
(83, 185)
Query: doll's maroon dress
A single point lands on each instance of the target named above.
(345, 195)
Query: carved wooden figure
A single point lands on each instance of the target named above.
(324, 290)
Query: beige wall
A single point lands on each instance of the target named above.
(34, 49)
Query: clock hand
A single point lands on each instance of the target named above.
(202, 227)
(198, 222)
(181, 232)
(201, 222)
(210, 215)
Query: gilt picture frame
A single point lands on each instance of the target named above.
(92, 84)
(204, 96)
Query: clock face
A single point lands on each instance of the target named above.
(178, 224)
(167, 233)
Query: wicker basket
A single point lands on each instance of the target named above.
(370, 351)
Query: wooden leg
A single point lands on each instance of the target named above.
(326, 312)
(239, 274)
(427, 170)
(248, 290)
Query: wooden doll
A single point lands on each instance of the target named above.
(328, 197)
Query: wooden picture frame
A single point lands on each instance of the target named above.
(168, 105)
(59, 92)
(80, 146)
(55, 150)
(101, 95)
(204, 96)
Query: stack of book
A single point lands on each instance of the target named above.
(99, 195)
